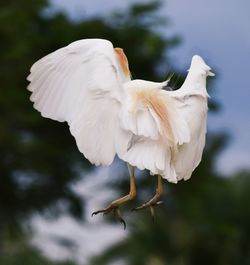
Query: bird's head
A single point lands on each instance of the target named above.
(199, 66)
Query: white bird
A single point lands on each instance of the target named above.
(88, 85)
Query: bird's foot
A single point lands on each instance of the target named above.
(115, 210)
(151, 204)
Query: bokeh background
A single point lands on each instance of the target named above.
(48, 190)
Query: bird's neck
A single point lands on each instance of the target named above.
(195, 83)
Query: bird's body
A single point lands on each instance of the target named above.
(88, 85)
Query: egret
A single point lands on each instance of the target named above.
(88, 85)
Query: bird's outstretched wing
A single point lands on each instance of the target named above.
(82, 85)
(168, 127)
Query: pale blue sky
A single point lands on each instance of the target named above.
(220, 32)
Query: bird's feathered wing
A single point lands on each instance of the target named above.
(189, 154)
(191, 99)
(82, 85)
(168, 127)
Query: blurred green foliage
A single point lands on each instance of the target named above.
(203, 221)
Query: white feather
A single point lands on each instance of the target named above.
(187, 111)
(85, 85)
(82, 84)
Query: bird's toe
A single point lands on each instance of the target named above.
(116, 212)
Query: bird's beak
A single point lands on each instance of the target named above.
(210, 73)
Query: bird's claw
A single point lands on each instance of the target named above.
(116, 212)
(104, 211)
(150, 205)
(147, 205)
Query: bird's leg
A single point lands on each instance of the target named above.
(114, 205)
(155, 200)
